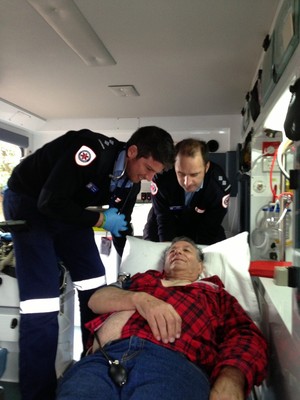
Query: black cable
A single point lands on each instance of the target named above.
(116, 370)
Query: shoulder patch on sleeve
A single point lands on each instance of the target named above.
(84, 156)
(153, 188)
(225, 201)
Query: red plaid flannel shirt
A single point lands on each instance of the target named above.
(216, 331)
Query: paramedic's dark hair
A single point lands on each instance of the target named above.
(190, 147)
(154, 142)
(200, 254)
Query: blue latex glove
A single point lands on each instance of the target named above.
(6, 236)
(114, 222)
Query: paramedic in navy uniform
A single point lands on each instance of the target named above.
(189, 200)
(51, 190)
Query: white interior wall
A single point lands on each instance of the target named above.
(202, 127)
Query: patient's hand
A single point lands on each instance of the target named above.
(229, 385)
(163, 319)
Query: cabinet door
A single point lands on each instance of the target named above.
(245, 116)
(267, 79)
(286, 36)
(9, 324)
(9, 292)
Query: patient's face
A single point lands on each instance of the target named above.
(182, 262)
(190, 171)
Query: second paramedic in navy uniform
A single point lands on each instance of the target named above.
(190, 199)
(51, 190)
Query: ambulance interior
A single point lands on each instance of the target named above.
(221, 71)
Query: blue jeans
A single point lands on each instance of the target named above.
(153, 372)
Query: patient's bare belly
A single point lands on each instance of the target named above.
(111, 329)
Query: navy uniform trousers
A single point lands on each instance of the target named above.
(37, 251)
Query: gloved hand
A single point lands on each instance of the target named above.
(114, 222)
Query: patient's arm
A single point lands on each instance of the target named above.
(163, 319)
(229, 385)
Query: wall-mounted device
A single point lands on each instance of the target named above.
(268, 151)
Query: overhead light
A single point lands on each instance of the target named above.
(15, 115)
(124, 90)
(69, 23)
(20, 118)
(275, 119)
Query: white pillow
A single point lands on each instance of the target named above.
(229, 259)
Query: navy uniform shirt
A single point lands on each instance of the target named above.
(200, 220)
(71, 173)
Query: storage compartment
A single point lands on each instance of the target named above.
(9, 292)
(12, 362)
(267, 75)
(9, 324)
(245, 114)
(64, 355)
(286, 36)
(280, 46)
(284, 351)
(9, 330)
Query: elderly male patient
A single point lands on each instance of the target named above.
(169, 335)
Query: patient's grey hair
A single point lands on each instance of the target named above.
(199, 252)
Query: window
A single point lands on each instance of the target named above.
(10, 156)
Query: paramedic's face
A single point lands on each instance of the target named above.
(182, 262)
(190, 171)
(138, 169)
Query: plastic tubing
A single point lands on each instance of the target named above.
(280, 151)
